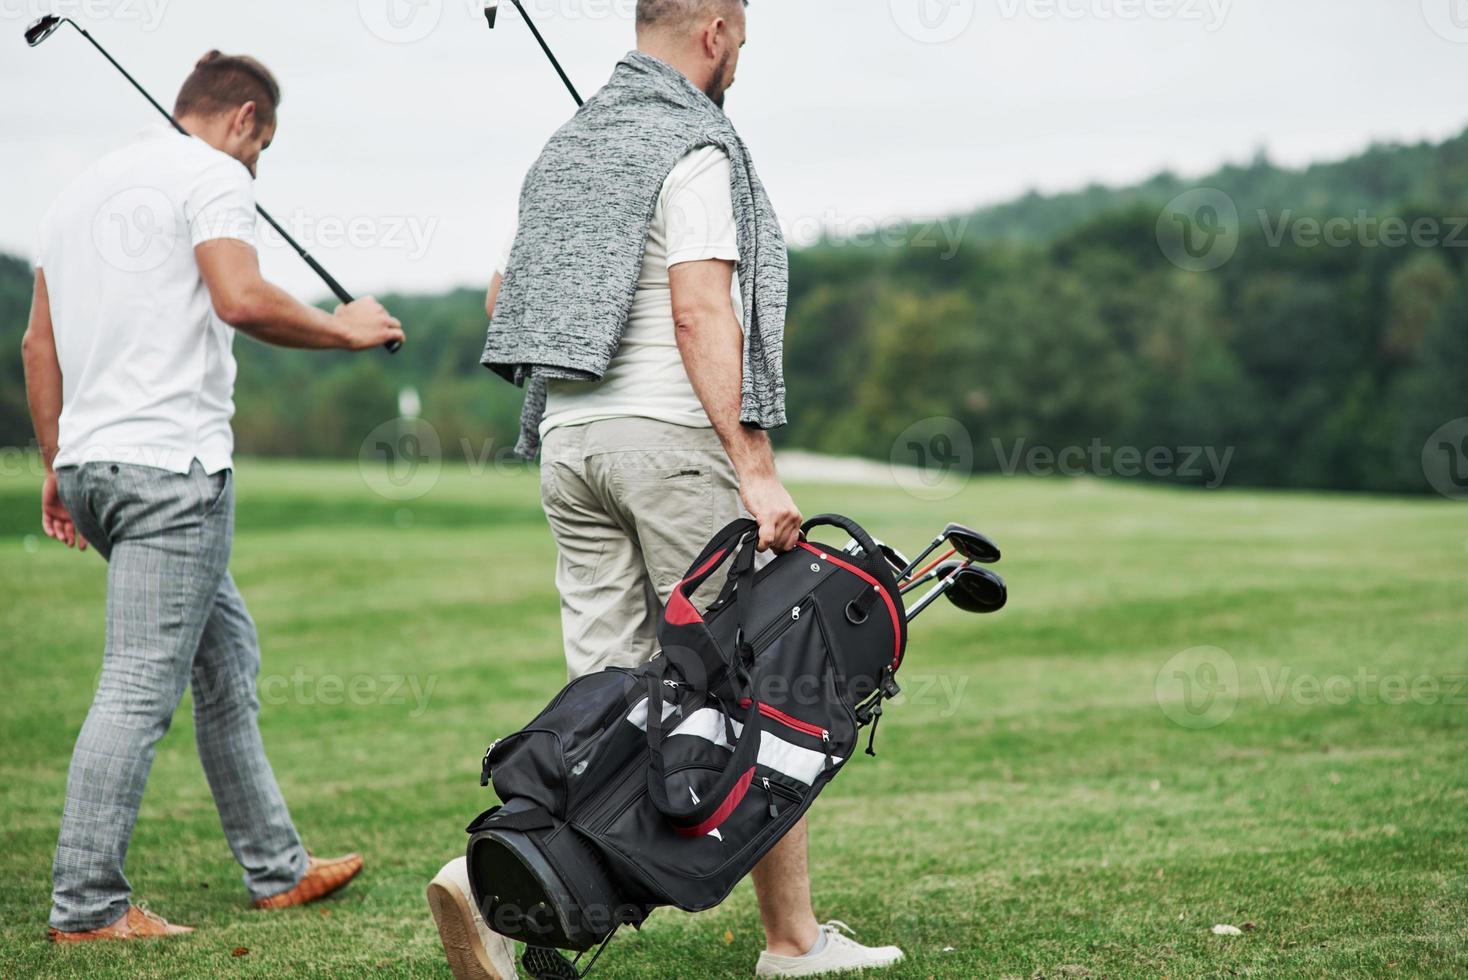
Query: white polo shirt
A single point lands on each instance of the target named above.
(693, 221)
(147, 367)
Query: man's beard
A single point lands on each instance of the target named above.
(720, 83)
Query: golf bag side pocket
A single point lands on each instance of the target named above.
(557, 760)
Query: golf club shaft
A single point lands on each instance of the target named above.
(918, 560)
(546, 48)
(934, 593)
(341, 294)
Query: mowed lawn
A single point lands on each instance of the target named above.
(1199, 709)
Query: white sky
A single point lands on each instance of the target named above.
(408, 123)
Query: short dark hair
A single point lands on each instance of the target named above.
(224, 82)
(674, 13)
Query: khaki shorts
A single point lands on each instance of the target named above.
(631, 503)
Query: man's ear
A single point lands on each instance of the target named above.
(711, 37)
(244, 120)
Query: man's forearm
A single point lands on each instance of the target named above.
(42, 372)
(43, 394)
(268, 313)
(712, 346)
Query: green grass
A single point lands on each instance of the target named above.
(1034, 810)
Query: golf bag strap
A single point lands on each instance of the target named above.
(697, 819)
(682, 626)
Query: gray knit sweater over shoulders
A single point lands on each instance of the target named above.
(585, 210)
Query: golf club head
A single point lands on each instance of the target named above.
(491, 8)
(42, 29)
(971, 544)
(977, 590)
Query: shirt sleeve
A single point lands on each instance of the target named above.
(221, 204)
(698, 209)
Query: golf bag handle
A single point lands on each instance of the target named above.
(857, 532)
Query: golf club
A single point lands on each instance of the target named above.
(893, 556)
(939, 570)
(51, 23)
(977, 590)
(965, 541)
(491, 8)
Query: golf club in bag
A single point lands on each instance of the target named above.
(666, 783)
(50, 24)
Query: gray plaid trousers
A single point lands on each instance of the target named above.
(174, 617)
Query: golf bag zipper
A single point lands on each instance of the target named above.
(790, 721)
(770, 794)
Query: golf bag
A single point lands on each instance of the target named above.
(665, 784)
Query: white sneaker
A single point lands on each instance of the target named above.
(838, 954)
(474, 951)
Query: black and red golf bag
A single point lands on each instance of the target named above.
(665, 784)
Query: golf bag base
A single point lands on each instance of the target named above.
(546, 886)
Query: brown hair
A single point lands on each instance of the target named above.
(659, 14)
(224, 82)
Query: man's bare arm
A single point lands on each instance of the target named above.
(44, 395)
(493, 296)
(712, 344)
(243, 299)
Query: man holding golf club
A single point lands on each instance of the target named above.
(649, 390)
(145, 267)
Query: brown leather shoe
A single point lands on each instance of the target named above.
(323, 876)
(135, 923)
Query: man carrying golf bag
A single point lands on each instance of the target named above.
(144, 266)
(649, 387)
